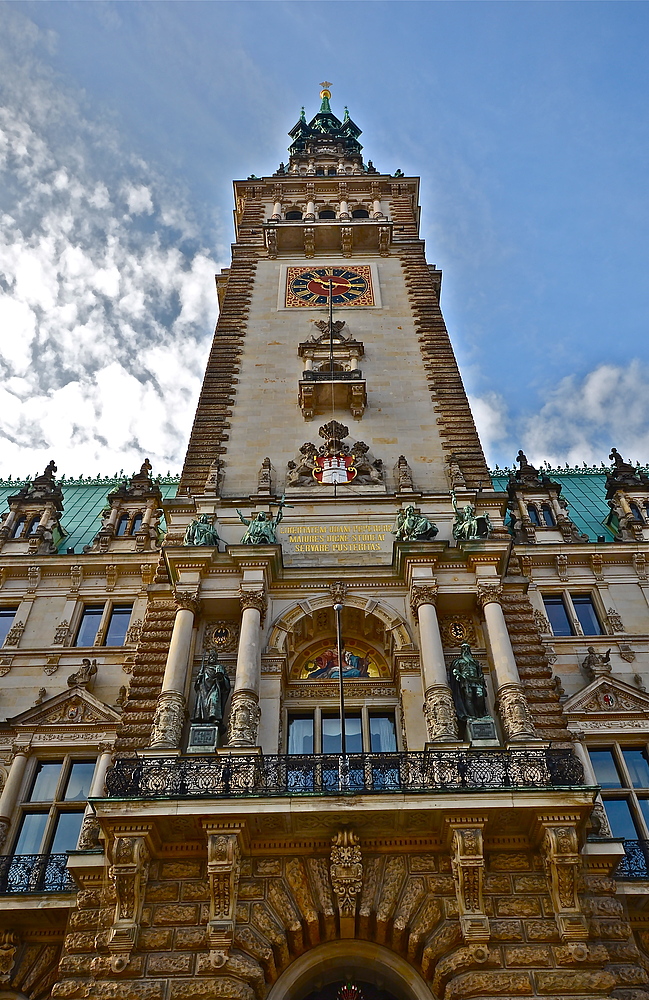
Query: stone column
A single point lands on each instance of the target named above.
(309, 215)
(244, 708)
(344, 210)
(11, 790)
(277, 212)
(169, 716)
(512, 704)
(439, 710)
(377, 214)
(89, 835)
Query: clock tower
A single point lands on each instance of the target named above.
(343, 768)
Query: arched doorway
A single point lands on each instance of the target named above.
(378, 972)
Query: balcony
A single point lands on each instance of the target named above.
(228, 776)
(35, 874)
(635, 863)
(319, 391)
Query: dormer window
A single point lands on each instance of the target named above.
(293, 216)
(548, 516)
(136, 525)
(360, 213)
(635, 511)
(122, 526)
(327, 213)
(34, 523)
(533, 515)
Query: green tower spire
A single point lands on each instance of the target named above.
(325, 94)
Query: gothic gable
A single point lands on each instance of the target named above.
(70, 708)
(608, 703)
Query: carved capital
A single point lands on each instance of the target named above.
(514, 713)
(128, 872)
(468, 865)
(346, 873)
(489, 593)
(254, 599)
(223, 867)
(187, 600)
(168, 720)
(439, 710)
(244, 720)
(422, 595)
(562, 861)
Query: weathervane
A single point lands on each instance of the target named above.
(325, 85)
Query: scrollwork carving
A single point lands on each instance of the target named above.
(422, 595)
(439, 710)
(128, 873)
(254, 599)
(561, 859)
(187, 600)
(168, 720)
(346, 872)
(244, 720)
(467, 863)
(489, 593)
(514, 713)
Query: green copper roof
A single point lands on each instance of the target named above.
(83, 502)
(585, 491)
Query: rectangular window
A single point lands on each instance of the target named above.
(7, 616)
(383, 732)
(555, 609)
(585, 611)
(300, 734)
(331, 733)
(120, 617)
(620, 819)
(52, 811)
(605, 769)
(90, 621)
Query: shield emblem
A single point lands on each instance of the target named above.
(334, 469)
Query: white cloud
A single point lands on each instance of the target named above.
(490, 416)
(105, 317)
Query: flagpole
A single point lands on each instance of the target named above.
(341, 692)
(331, 326)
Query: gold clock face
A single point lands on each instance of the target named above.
(347, 286)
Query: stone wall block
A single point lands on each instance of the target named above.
(81, 941)
(497, 885)
(286, 912)
(162, 892)
(441, 942)
(441, 885)
(490, 984)
(393, 879)
(167, 964)
(463, 959)
(190, 938)
(507, 930)
(175, 913)
(266, 924)
(510, 861)
(423, 863)
(541, 930)
(195, 891)
(127, 991)
(221, 988)
(251, 942)
(528, 955)
(518, 906)
(75, 965)
(572, 982)
(155, 939)
(628, 975)
(530, 884)
(181, 869)
(297, 880)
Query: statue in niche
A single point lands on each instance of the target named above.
(411, 526)
(262, 526)
(468, 685)
(467, 524)
(212, 686)
(201, 532)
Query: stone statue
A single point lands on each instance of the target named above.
(85, 673)
(596, 665)
(411, 526)
(467, 524)
(468, 685)
(261, 527)
(201, 532)
(212, 688)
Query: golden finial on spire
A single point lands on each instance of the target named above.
(325, 92)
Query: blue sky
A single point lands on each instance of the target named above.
(122, 125)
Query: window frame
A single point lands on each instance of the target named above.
(104, 621)
(12, 620)
(574, 622)
(53, 807)
(365, 709)
(626, 789)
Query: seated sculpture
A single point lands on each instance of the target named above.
(201, 532)
(262, 526)
(411, 526)
(468, 524)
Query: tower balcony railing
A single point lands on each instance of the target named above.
(291, 775)
(635, 863)
(35, 873)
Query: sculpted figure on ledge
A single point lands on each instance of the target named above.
(468, 524)
(412, 526)
(212, 688)
(262, 526)
(201, 532)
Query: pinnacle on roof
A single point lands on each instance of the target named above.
(325, 134)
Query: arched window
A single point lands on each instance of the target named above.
(533, 515)
(635, 510)
(548, 516)
(293, 216)
(327, 213)
(319, 172)
(332, 171)
(33, 524)
(360, 213)
(18, 528)
(122, 525)
(136, 525)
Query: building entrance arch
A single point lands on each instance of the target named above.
(319, 972)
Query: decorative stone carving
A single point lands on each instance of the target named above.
(134, 632)
(111, 576)
(213, 481)
(489, 593)
(254, 599)
(76, 577)
(223, 636)
(309, 241)
(264, 478)
(562, 861)
(384, 241)
(599, 821)
(244, 720)
(455, 476)
(202, 531)
(338, 591)
(346, 241)
(187, 600)
(8, 945)
(403, 475)
(514, 713)
(33, 578)
(128, 872)
(346, 872)
(614, 621)
(439, 711)
(122, 696)
(640, 564)
(467, 863)
(596, 665)
(597, 565)
(84, 675)
(139, 496)
(89, 836)
(626, 652)
(468, 525)
(168, 720)
(271, 242)
(623, 474)
(223, 869)
(542, 623)
(5, 665)
(4, 830)
(14, 635)
(422, 595)
(42, 500)
(61, 634)
(456, 629)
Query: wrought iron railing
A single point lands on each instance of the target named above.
(327, 376)
(635, 863)
(25, 873)
(239, 775)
